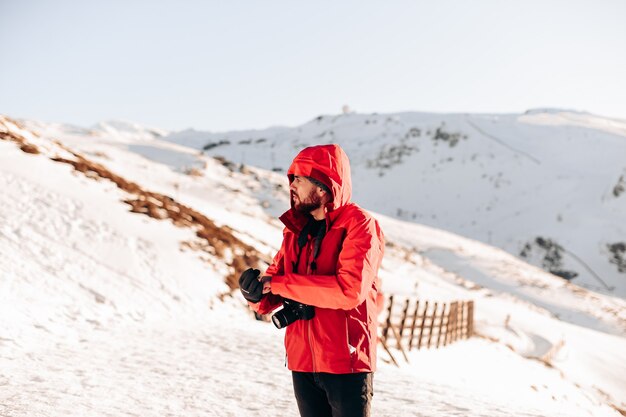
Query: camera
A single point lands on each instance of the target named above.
(292, 311)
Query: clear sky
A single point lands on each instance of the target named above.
(221, 65)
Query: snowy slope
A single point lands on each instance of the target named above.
(548, 185)
(107, 312)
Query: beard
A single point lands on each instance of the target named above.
(308, 204)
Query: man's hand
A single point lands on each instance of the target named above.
(267, 284)
(250, 286)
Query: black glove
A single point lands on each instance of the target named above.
(250, 286)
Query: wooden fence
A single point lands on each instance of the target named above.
(422, 324)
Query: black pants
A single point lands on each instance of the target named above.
(333, 395)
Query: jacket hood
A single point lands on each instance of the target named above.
(328, 164)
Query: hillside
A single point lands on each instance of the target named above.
(547, 186)
(117, 248)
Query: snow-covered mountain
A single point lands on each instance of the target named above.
(548, 185)
(117, 256)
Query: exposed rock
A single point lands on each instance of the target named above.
(212, 145)
(620, 187)
(618, 252)
(550, 254)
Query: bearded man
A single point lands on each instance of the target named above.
(325, 276)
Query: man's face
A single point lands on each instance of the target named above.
(304, 195)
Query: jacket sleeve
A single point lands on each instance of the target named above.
(357, 266)
(271, 301)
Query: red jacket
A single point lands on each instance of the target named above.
(344, 288)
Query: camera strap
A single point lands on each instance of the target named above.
(302, 240)
(316, 245)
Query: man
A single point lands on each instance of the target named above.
(326, 277)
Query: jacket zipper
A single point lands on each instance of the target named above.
(348, 345)
(308, 327)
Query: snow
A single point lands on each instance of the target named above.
(105, 313)
(571, 118)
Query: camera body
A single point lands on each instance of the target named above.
(292, 311)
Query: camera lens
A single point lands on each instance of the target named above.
(292, 311)
(283, 318)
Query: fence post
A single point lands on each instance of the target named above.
(459, 332)
(463, 320)
(432, 324)
(453, 317)
(388, 322)
(417, 304)
(403, 320)
(399, 345)
(449, 323)
(459, 322)
(470, 318)
(443, 315)
(382, 341)
(422, 325)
